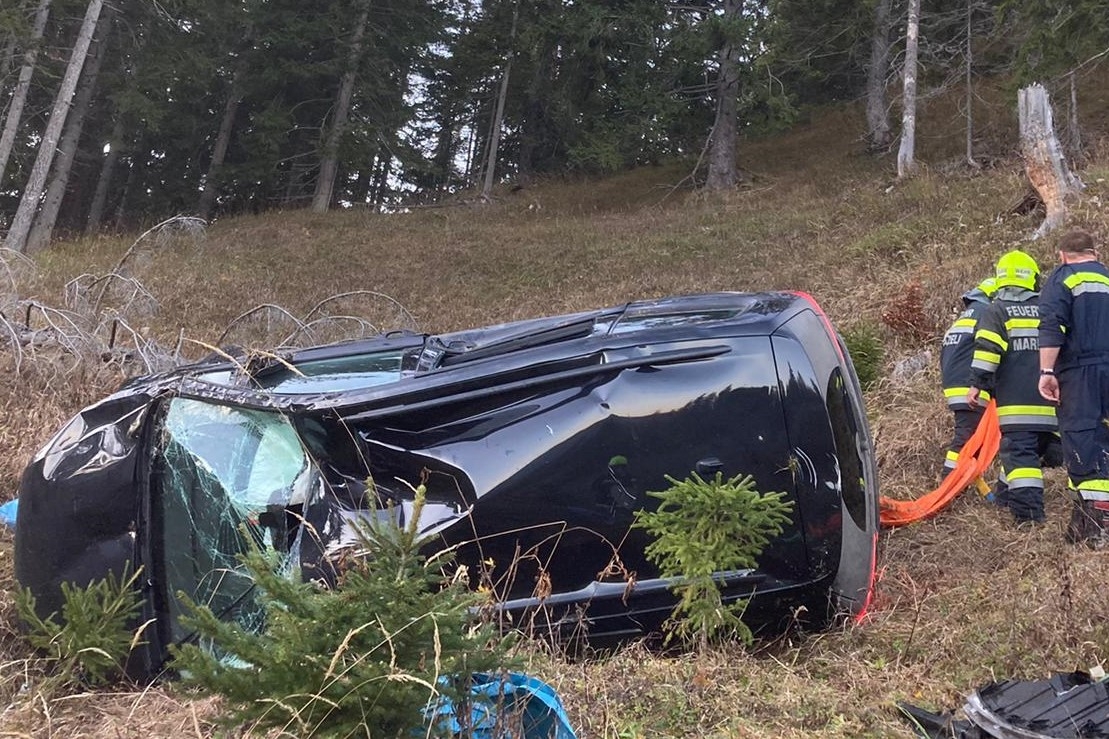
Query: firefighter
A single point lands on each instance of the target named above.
(955, 357)
(1074, 372)
(1007, 362)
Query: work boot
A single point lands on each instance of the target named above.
(1089, 524)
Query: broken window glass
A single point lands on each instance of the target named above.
(226, 474)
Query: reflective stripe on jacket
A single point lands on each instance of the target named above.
(1007, 360)
(956, 354)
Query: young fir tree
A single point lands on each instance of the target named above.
(703, 527)
(366, 658)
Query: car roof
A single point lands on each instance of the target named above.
(328, 377)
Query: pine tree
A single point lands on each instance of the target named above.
(704, 527)
(365, 658)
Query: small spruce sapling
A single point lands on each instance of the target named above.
(96, 633)
(366, 658)
(704, 527)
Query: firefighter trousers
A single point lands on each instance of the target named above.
(1082, 413)
(966, 423)
(1020, 452)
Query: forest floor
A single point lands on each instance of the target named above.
(962, 600)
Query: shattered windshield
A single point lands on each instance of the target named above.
(226, 474)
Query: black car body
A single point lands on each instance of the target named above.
(537, 441)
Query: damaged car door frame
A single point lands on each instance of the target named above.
(537, 441)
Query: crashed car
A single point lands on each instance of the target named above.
(537, 442)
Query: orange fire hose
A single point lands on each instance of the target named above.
(974, 459)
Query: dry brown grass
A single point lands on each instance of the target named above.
(962, 600)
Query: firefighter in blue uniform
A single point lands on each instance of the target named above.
(955, 358)
(1007, 361)
(1074, 372)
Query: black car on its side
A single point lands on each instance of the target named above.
(537, 441)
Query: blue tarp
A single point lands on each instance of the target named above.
(508, 705)
(7, 513)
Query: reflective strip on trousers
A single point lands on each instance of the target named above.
(1025, 477)
(1094, 489)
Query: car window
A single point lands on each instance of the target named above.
(224, 474)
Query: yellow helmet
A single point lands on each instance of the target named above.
(1017, 269)
(988, 286)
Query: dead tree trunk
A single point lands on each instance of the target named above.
(329, 162)
(906, 152)
(11, 49)
(970, 89)
(498, 115)
(32, 192)
(723, 173)
(223, 141)
(1043, 157)
(43, 229)
(22, 85)
(879, 135)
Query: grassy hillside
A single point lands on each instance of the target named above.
(963, 599)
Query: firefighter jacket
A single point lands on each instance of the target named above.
(958, 351)
(1007, 360)
(1074, 314)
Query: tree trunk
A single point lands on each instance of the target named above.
(906, 163)
(120, 215)
(329, 162)
(970, 90)
(1043, 157)
(67, 148)
(19, 95)
(498, 115)
(223, 140)
(381, 176)
(472, 148)
(532, 127)
(878, 130)
(32, 192)
(1074, 130)
(104, 181)
(723, 174)
(11, 46)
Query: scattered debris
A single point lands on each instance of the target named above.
(8, 512)
(511, 705)
(1068, 705)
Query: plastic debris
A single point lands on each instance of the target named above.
(8, 512)
(509, 705)
(1070, 705)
